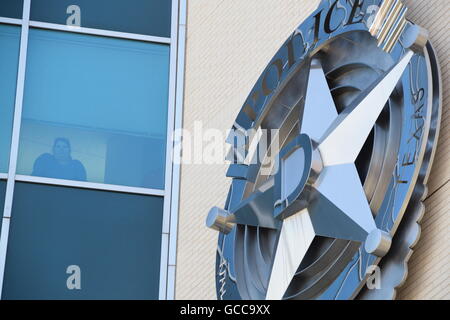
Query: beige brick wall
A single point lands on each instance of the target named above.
(229, 42)
(429, 266)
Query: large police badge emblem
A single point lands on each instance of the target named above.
(352, 104)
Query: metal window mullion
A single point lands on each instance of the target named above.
(175, 193)
(15, 139)
(90, 185)
(169, 151)
(99, 32)
(12, 21)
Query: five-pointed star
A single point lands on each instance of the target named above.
(342, 211)
(339, 208)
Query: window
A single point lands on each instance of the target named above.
(86, 182)
(9, 61)
(95, 109)
(149, 17)
(112, 238)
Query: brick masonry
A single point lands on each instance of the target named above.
(229, 42)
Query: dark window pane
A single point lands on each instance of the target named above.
(95, 109)
(11, 8)
(150, 17)
(114, 238)
(9, 61)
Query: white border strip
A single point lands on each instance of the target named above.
(15, 139)
(169, 149)
(89, 185)
(176, 178)
(163, 266)
(3, 176)
(99, 32)
(3, 249)
(171, 272)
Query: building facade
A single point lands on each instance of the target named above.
(97, 203)
(89, 95)
(229, 43)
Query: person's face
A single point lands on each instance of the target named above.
(61, 151)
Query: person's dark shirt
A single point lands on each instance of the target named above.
(47, 166)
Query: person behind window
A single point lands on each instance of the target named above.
(60, 164)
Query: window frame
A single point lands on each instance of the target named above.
(170, 193)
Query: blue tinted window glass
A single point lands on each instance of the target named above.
(11, 8)
(9, 60)
(114, 238)
(150, 17)
(95, 109)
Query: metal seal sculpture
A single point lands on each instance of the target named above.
(352, 101)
